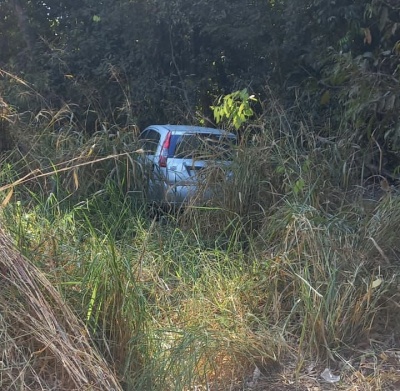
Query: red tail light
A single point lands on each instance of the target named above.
(162, 160)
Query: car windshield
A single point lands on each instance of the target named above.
(202, 145)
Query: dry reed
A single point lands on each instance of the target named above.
(43, 345)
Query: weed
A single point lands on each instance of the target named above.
(281, 268)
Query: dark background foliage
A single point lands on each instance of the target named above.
(148, 61)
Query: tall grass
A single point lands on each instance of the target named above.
(283, 268)
(43, 344)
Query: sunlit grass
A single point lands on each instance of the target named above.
(283, 269)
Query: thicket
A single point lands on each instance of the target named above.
(292, 268)
(141, 62)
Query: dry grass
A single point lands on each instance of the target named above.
(281, 272)
(43, 345)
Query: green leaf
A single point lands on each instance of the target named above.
(299, 186)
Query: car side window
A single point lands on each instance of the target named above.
(149, 141)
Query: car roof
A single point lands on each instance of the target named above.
(182, 129)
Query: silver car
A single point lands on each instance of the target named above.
(176, 158)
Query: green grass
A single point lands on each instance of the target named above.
(286, 268)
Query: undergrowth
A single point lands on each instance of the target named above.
(284, 268)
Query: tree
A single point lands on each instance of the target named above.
(147, 61)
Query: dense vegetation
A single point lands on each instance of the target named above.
(293, 269)
(136, 62)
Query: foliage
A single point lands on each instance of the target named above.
(283, 274)
(139, 62)
(349, 64)
(285, 259)
(295, 261)
(183, 52)
(234, 108)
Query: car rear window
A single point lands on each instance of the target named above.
(202, 145)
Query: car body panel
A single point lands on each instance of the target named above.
(191, 149)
